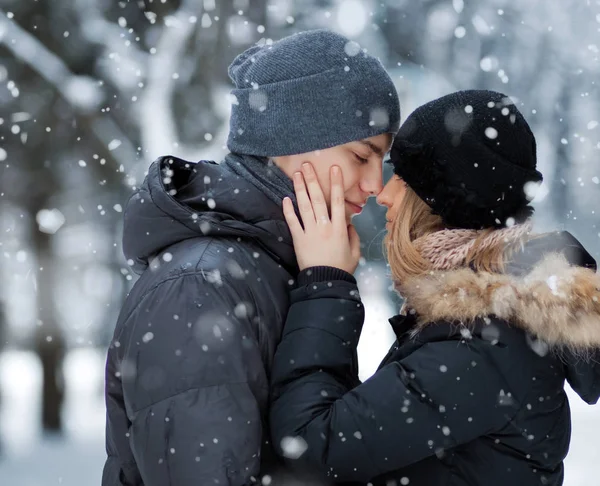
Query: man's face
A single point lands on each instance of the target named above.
(360, 163)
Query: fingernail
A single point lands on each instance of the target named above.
(298, 176)
(307, 167)
(336, 170)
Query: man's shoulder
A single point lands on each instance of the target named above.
(213, 253)
(229, 268)
(211, 261)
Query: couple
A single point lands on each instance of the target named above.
(237, 345)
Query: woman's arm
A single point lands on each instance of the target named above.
(442, 395)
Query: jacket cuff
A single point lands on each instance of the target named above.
(323, 274)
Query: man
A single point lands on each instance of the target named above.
(188, 368)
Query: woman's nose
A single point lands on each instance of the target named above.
(382, 198)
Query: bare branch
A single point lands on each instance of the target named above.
(38, 57)
(157, 120)
(103, 32)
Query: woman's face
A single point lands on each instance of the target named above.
(391, 197)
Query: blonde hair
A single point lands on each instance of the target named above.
(414, 219)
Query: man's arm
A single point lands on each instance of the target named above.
(120, 468)
(195, 384)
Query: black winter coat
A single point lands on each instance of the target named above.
(472, 393)
(188, 367)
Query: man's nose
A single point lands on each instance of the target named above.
(373, 181)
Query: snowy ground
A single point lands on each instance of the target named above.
(28, 459)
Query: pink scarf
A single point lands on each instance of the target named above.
(448, 249)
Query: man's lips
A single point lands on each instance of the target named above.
(355, 207)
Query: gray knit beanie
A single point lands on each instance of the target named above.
(309, 91)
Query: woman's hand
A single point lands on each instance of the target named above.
(324, 240)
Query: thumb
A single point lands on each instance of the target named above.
(354, 241)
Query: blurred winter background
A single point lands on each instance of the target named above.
(91, 91)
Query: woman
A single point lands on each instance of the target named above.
(495, 319)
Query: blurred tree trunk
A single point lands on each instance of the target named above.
(562, 167)
(49, 340)
(3, 340)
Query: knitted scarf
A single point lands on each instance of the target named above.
(448, 249)
(262, 173)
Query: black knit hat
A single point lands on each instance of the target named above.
(470, 156)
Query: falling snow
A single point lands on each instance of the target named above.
(91, 99)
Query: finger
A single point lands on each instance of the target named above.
(291, 218)
(304, 204)
(338, 206)
(354, 242)
(315, 192)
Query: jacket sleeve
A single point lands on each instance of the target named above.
(195, 384)
(442, 395)
(120, 468)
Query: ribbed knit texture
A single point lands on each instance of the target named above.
(323, 274)
(306, 92)
(448, 249)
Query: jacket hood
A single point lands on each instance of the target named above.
(179, 200)
(554, 295)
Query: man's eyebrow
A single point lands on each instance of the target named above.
(374, 147)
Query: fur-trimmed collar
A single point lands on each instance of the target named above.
(557, 302)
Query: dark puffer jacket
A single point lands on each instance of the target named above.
(188, 368)
(472, 393)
